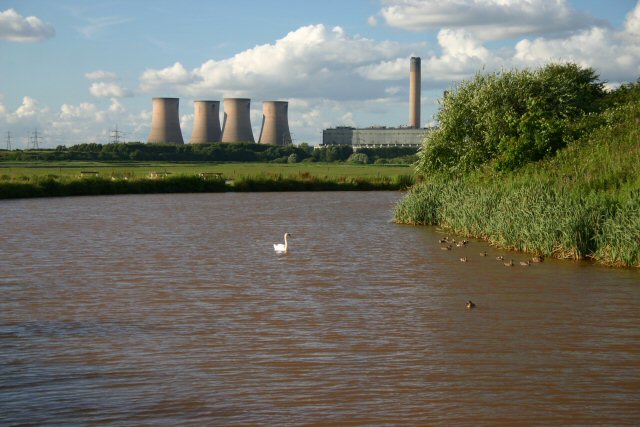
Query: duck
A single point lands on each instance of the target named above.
(499, 258)
(470, 304)
(537, 258)
(446, 248)
(483, 254)
(525, 263)
(282, 248)
(509, 264)
(463, 259)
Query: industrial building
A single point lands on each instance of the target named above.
(374, 137)
(382, 136)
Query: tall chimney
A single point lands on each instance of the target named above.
(414, 93)
(165, 122)
(237, 121)
(206, 122)
(275, 123)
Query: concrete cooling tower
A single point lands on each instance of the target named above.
(237, 123)
(206, 122)
(414, 93)
(165, 122)
(275, 123)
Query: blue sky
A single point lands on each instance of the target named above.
(75, 69)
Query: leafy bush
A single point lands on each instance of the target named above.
(511, 118)
(358, 158)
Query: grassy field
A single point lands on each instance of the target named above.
(58, 179)
(10, 171)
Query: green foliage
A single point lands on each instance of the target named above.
(582, 203)
(332, 153)
(358, 158)
(218, 152)
(511, 118)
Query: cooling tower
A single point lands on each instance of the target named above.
(275, 123)
(414, 93)
(165, 122)
(237, 123)
(206, 122)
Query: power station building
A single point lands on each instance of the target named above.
(382, 136)
(374, 137)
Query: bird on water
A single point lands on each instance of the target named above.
(470, 304)
(282, 248)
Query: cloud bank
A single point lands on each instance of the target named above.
(16, 28)
(486, 19)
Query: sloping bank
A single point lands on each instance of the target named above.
(582, 203)
(56, 187)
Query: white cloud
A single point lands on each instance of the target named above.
(486, 19)
(312, 61)
(615, 55)
(16, 28)
(116, 106)
(29, 108)
(108, 90)
(176, 75)
(101, 75)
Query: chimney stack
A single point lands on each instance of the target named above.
(414, 93)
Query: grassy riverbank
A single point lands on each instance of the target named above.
(583, 202)
(54, 179)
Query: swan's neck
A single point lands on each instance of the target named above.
(286, 244)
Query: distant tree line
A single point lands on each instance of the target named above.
(218, 152)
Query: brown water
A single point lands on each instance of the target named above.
(175, 310)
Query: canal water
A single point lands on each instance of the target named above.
(175, 310)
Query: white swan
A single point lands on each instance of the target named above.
(282, 248)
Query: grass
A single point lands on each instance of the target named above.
(13, 170)
(583, 203)
(67, 178)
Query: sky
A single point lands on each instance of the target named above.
(75, 70)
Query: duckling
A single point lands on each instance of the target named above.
(525, 263)
(483, 254)
(446, 248)
(537, 258)
(443, 240)
(499, 258)
(508, 264)
(470, 304)
(463, 259)
(460, 244)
